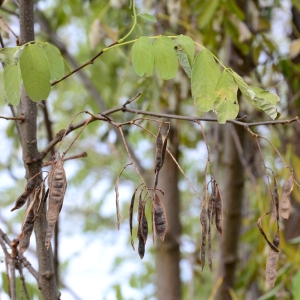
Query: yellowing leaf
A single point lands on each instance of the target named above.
(165, 59)
(226, 104)
(143, 57)
(205, 74)
(7, 55)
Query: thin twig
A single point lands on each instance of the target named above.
(22, 279)
(130, 157)
(83, 154)
(91, 61)
(21, 118)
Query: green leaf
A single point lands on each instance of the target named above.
(260, 99)
(148, 17)
(184, 61)
(165, 59)
(7, 55)
(55, 60)
(226, 104)
(188, 46)
(12, 84)
(35, 72)
(143, 57)
(209, 8)
(205, 75)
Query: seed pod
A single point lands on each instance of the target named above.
(211, 210)
(271, 272)
(275, 211)
(158, 152)
(130, 216)
(276, 240)
(28, 191)
(57, 187)
(141, 246)
(286, 191)
(160, 219)
(143, 224)
(209, 248)
(203, 220)
(219, 214)
(27, 229)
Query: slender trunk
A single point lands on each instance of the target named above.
(168, 252)
(32, 162)
(232, 189)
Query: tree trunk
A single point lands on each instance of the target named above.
(232, 190)
(168, 252)
(32, 162)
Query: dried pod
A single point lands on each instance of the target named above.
(153, 224)
(28, 191)
(275, 211)
(130, 216)
(219, 213)
(271, 272)
(27, 229)
(143, 224)
(57, 187)
(164, 149)
(285, 205)
(211, 210)
(203, 220)
(141, 247)
(158, 152)
(160, 219)
(209, 248)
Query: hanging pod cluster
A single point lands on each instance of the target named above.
(279, 208)
(158, 214)
(57, 185)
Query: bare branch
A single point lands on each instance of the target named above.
(21, 118)
(83, 154)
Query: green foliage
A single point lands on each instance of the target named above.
(143, 56)
(12, 83)
(148, 17)
(188, 46)
(205, 75)
(7, 55)
(35, 72)
(165, 58)
(55, 60)
(184, 61)
(226, 104)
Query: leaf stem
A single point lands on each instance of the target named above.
(134, 23)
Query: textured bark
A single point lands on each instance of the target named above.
(233, 188)
(168, 252)
(32, 162)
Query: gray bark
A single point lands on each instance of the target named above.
(168, 252)
(32, 163)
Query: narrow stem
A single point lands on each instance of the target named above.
(134, 22)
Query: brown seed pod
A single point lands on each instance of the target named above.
(130, 216)
(141, 246)
(285, 206)
(28, 191)
(219, 213)
(144, 225)
(57, 187)
(276, 240)
(271, 272)
(203, 220)
(27, 229)
(209, 248)
(275, 197)
(158, 152)
(160, 219)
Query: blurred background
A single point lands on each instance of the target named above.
(260, 40)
